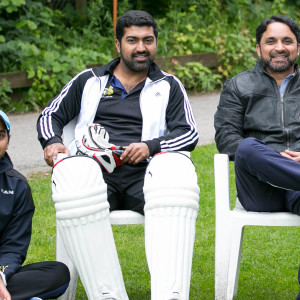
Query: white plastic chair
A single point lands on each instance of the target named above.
(229, 230)
(117, 217)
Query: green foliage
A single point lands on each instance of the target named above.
(278, 7)
(196, 77)
(11, 6)
(183, 33)
(235, 53)
(4, 91)
(54, 45)
(51, 49)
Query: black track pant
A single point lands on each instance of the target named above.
(125, 187)
(46, 280)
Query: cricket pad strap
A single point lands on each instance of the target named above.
(82, 211)
(171, 195)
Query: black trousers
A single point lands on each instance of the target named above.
(265, 180)
(46, 280)
(125, 187)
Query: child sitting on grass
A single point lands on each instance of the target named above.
(42, 280)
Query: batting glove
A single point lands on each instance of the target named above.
(95, 143)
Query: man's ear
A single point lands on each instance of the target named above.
(258, 50)
(118, 46)
(298, 49)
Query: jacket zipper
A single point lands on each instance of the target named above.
(282, 113)
(286, 130)
(283, 124)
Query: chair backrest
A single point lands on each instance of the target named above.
(69, 132)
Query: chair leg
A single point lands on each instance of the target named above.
(222, 248)
(237, 231)
(62, 256)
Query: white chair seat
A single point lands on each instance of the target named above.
(229, 230)
(125, 217)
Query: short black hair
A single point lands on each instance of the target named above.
(135, 18)
(281, 19)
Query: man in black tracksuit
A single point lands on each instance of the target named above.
(145, 111)
(141, 107)
(45, 280)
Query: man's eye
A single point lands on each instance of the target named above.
(149, 41)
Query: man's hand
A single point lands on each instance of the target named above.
(291, 154)
(4, 294)
(135, 153)
(51, 151)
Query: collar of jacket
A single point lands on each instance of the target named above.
(154, 73)
(5, 163)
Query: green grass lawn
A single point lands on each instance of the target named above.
(270, 257)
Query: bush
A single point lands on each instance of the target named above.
(4, 91)
(36, 39)
(196, 77)
(53, 45)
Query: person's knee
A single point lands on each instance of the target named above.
(62, 272)
(170, 168)
(78, 187)
(246, 148)
(295, 207)
(171, 178)
(75, 174)
(250, 151)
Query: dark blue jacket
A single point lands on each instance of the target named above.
(16, 211)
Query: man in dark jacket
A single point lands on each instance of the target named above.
(46, 280)
(258, 121)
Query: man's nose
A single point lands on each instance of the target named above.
(279, 46)
(140, 46)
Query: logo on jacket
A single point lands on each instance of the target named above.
(108, 91)
(7, 192)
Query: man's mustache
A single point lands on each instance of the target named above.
(146, 53)
(282, 53)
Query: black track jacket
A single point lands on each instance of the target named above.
(16, 211)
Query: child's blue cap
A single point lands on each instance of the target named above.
(4, 117)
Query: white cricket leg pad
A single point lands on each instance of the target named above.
(172, 202)
(82, 213)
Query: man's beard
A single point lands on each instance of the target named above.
(281, 67)
(137, 66)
